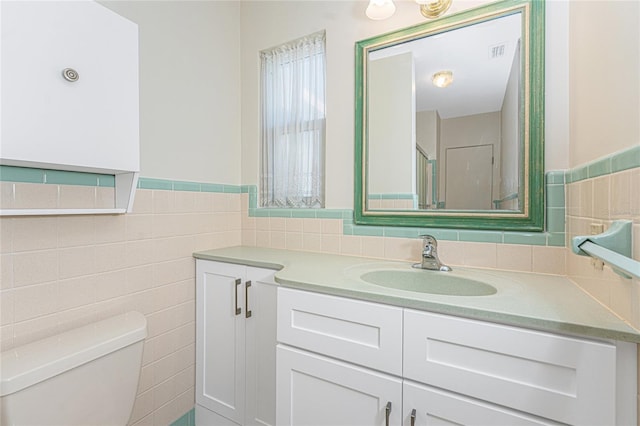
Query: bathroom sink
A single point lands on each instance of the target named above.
(422, 281)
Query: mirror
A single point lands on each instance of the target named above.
(450, 121)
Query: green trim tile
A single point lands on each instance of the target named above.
(442, 234)
(107, 181)
(556, 219)
(187, 419)
(578, 174)
(186, 186)
(304, 213)
(555, 196)
(480, 236)
(253, 200)
(368, 231)
(599, 168)
(328, 214)
(151, 183)
(232, 189)
(261, 212)
(401, 232)
(555, 177)
(63, 177)
(556, 239)
(625, 160)
(211, 187)
(21, 174)
(347, 228)
(537, 239)
(277, 212)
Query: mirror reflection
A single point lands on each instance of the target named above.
(446, 121)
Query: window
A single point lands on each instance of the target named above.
(293, 124)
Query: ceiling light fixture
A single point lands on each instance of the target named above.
(380, 9)
(433, 8)
(442, 78)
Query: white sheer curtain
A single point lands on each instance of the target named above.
(293, 123)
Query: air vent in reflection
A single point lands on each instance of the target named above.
(497, 51)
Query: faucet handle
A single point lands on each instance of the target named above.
(429, 240)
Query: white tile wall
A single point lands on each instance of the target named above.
(60, 272)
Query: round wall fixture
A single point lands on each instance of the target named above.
(70, 74)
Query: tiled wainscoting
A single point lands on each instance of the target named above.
(59, 272)
(597, 194)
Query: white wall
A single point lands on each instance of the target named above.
(428, 132)
(467, 131)
(392, 123)
(510, 149)
(345, 23)
(189, 88)
(605, 82)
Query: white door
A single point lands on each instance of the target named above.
(426, 406)
(260, 347)
(313, 390)
(469, 178)
(220, 339)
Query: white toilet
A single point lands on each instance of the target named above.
(86, 376)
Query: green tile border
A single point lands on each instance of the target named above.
(54, 177)
(613, 163)
(187, 419)
(555, 182)
(555, 200)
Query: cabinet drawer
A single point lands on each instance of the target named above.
(437, 407)
(543, 374)
(364, 333)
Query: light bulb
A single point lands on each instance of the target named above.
(380, 9)
(442, 78)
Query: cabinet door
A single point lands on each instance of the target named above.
(220, 337)
(562, 378)
(434, 407)
(313, 390)
(261, 347)
(91, 122)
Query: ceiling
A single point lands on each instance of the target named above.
(480, 57)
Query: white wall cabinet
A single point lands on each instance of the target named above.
(48, 121)
(235, 344)
(452, 370)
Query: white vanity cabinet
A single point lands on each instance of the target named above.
(315, 389)
(439, 369)
(235, 344)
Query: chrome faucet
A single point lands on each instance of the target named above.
(430, 258)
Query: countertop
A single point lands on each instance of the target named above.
(543, 302)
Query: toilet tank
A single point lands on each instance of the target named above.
(86, 376)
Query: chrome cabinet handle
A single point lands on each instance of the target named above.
(387, 413)
(238, 309)
(413, 417)
(247, 311)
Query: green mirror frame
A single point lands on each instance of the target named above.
(531, 216)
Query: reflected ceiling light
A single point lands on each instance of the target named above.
(380, 9)
(442, 78)
(433, 8)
